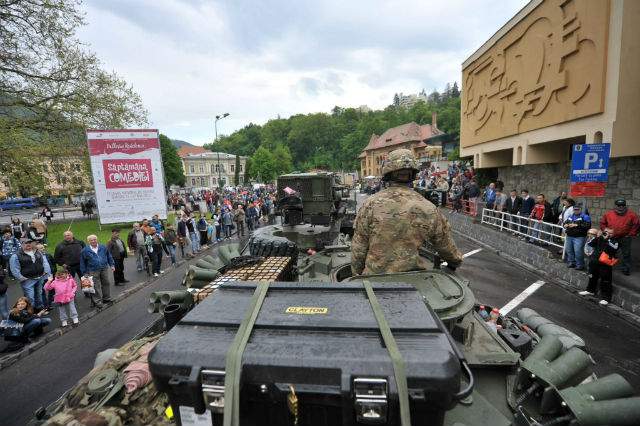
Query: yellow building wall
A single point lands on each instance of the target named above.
(548, 69)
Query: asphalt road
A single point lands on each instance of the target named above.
(43, 376)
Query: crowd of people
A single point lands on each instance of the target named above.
(538, 221)
(47, 281)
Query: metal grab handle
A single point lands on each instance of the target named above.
(466, 391)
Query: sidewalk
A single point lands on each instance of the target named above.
(83, 304)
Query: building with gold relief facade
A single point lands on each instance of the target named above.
(417, 138)
(558, 73)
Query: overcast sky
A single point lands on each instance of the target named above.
(191, 60)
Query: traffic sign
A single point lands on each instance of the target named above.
(590, 162)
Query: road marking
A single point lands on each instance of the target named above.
(521, 297)
(472, 252)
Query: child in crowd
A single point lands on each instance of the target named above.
(65, 292)
(602, 250)
(47, 299)
(211, 232)
(33, 324)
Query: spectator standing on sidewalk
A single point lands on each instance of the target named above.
(512, 206)
(239, 218)
(67, 254)
(40, 227)
(17, 228)
(249, 215)
(490, 195)
(9, 245)
(473, 192)
(171, 239)
(47, 299)
(118, 252)
(97, 262)
(157, 224)
(202, 228)
(525, 211)
(146, 227)
(604, 254)
(193, 235)
(31, 269)
(540, 214)
(155, 246)
(576, 227)
(625, 225)
(558, 204)
(4, 304)
(227, 222)
(64, 287)
(135, 242)
(183, 236)
(47, 213)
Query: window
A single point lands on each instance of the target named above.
(213, 180)
(233, 168)
(213, 169)
(201, 168)
(193, 181)
(240, 169)
(192, 168)
(240, 180)
(217, 168)
(222, 168)
(202, 180)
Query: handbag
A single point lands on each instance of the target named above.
(86, 283)
(605, 259)
(11, 328)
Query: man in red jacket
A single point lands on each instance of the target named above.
(625, 225)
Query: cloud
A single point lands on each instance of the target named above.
(191, 60)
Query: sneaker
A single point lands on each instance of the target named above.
(161, 271)
(585, 293)
(571, 265)
(64, 323)
(75, 320)
(155, 274)
(603, 302)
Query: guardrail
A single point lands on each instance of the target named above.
(531, 229)
(465, 206)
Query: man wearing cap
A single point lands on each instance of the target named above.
(576, 227)
(31, 269)
(393, 224)
(625, 225)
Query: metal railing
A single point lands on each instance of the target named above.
(469, 207)
(531, 229)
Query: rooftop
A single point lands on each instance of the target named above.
(409, 132)
(185, 150)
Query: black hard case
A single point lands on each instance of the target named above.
(319, 354)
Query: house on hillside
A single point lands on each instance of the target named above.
(423, 140)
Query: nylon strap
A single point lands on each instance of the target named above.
(233, 367)
(394, 353)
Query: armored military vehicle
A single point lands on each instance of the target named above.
(279, 332)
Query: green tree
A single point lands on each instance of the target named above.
(283, 162)
(173, 172)
(236, 175)
(263, 165)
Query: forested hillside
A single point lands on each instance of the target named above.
(332, 141)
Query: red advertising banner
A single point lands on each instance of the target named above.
(588, 189)
(128, 173)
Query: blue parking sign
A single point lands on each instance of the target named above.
(590, 162)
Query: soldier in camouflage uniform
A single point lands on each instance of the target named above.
(392, 224)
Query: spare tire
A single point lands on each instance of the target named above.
(264, 243)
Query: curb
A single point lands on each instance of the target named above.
(612, 309)
(13, 357)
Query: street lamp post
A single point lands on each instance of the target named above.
(215, 126)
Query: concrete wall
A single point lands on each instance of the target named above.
(625, 296)
(550, 179)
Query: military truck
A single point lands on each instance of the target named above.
(280, 332)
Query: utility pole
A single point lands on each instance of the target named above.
(215, 125)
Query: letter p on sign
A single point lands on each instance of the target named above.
(590, 158)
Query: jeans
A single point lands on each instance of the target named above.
(156, 258)
(4, 307)
(227, 231)
(102, 285)
(540, 231)
(32, 290)
(139, 254)
(172, 253)
(62, 311)
(34, 324)
(574, 249)
(195, 243)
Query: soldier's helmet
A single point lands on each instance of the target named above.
(399, 159)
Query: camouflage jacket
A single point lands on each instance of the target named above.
(390, 227)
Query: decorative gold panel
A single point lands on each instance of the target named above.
(548, 69)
